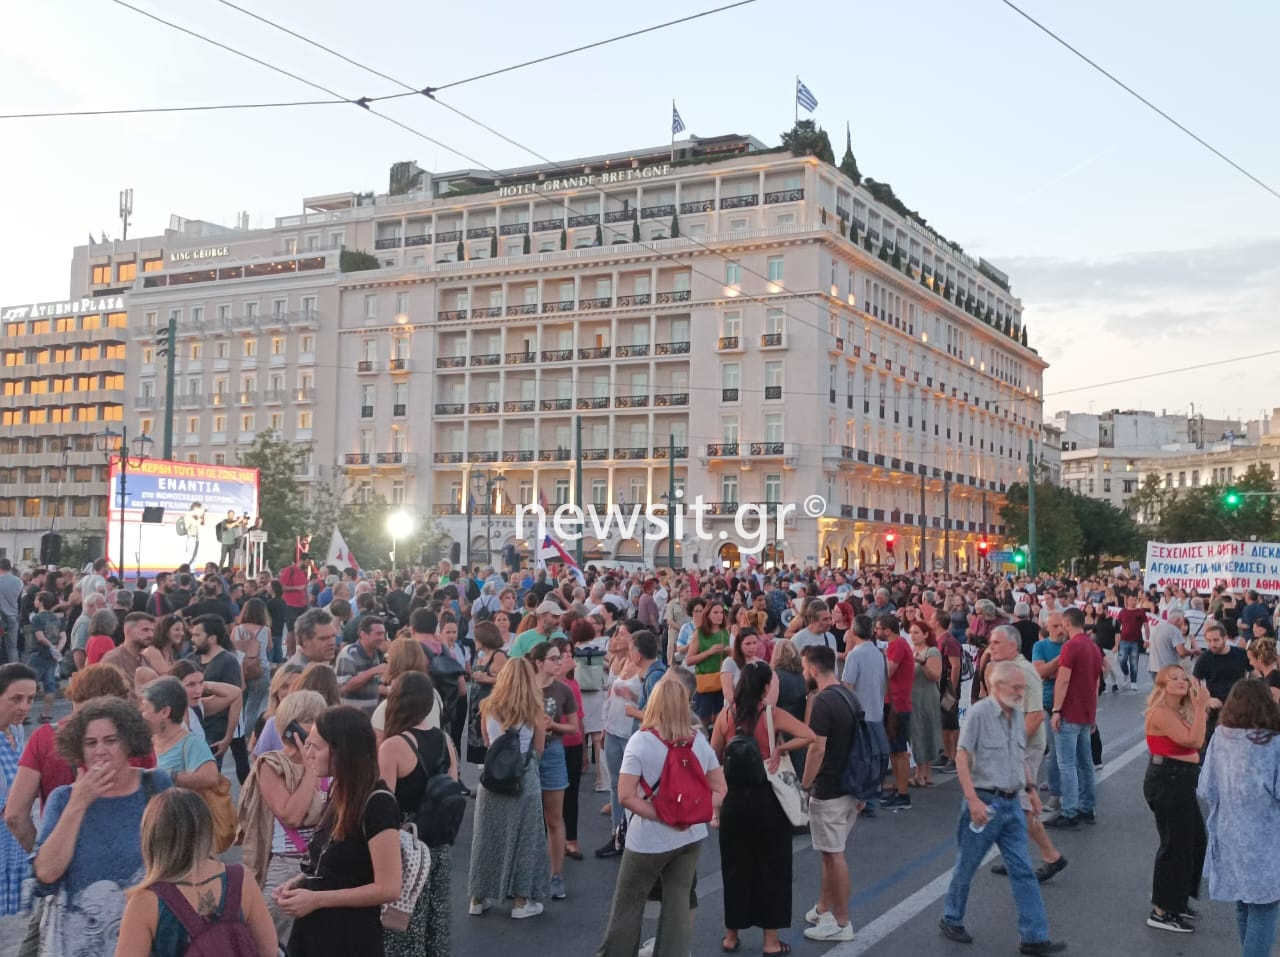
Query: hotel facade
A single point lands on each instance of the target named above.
(746, 325)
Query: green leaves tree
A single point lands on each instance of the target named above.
(806, 138)
(1058, 535)
(281, 503)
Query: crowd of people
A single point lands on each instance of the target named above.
(735, 704)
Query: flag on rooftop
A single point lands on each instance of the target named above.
(804, 97)
(677, 124)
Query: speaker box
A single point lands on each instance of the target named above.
(94, 547)
(50, 548)
(153, 515)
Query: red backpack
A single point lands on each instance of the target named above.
(226, 935)
(682, 796)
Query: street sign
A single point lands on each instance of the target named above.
(1000, 558)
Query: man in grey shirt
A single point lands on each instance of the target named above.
(1167, 645)
(864, 669)
(816, 630)
(10, 595)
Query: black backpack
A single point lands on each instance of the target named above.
(743, 762)
(868, 763)
(504, 764)
(439, 816)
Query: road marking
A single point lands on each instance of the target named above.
(910, 908)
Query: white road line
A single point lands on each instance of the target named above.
(894, 918)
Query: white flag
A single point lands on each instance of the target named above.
(339, 555)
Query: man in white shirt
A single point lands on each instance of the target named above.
(1168, 646)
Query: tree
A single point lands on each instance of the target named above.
(843, 226)
(564, 238)
(493, 246)
(599, 240)
(280, 500)
(806, 138)
(356, 260)
(675, 225)
(1199, 514)
(462, 252)
(528, 244)
(1106, 532)
(849, 165)
(635, 230)
(823, 215)
(363, 525)
(75, 550)
(1023, 336)
(1058, 535)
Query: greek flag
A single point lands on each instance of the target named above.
(804, 97)
(677, 124)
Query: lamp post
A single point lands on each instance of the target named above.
(116, 445)
(399, 525)
(483, 483)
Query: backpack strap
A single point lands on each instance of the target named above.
(192, 921)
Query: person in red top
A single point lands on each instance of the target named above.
(293, 583)
(1075, 711)
(1134, 631)
(901, 665)
(102, 640)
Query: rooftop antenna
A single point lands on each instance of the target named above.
(126, 210)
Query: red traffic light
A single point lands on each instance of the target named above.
(983, 547)
(889, 539)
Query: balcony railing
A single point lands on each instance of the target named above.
(676, 295)
(398, 365)
(365, 366)
(663, 451)
(450, 408)
(699, 206)
(486, 312)
(481, 232)
(657, 212)
(729, 342)
(775, 339)
(740, 202)
(671, 398)
(421, 239)
(399, 410)
(451, 236)
(557, 355)
(722, 448)
(640, 299)
(482, 408)
(518, 455)
(144, 402)
(523, 309)
(722, 508)
(594, 455)
(546, 225)
(596, 352)
(304, 395)
(728, 395)
(784, 196)
(632, 453)
(555, 405)
(274, 396)
(554, 455)
(475, 457)
(672, 348)
(564, 305)
(387, 242)
(390, 458)
(514, 229)
(518, 405)
(594, 402)
(584, 219)
(516, 358)
(356, 458)
(366, 412)
(767, 448)
(773, 392)
(632, 402)
(633, 351)
(599, 302)
(447, 458)
(620, 216)
(451, 362)
(487, 359)
(447, 315)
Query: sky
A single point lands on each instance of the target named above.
(1134, 250)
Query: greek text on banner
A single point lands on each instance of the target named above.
(1239, 566)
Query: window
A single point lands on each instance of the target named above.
(100, 275)
(371, 307)
(308, 344)
(732, 273)
(1106, 485)
(197, 313)
(277, 345)
(773, 321)
(247, 422)
(729, 430)
(224, 311)
(397, 492)
(222, 349)
(193, 425)
(251, 310)
(279, 307)
(773, 374)
(773, 427)
(197, 351)
(730, 375)
(219, 424)
(775, 269)
(561, 496)
(251, 348)
(599, 492)
(152, 265)
(277, 422)
(732, 324)
(304, 420)
(773, 487)
(729, 488)
(219, 458)
(402, 304)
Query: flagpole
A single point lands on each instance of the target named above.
(796, 97)
(673, 131)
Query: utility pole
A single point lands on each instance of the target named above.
(126, 210)
(168, 350)
(577, 486)
(1031, 507)
(946, 523)
(671, 502)
(923, 525)
(984, 564)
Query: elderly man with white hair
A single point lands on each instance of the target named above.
(93, 602)
(1167, 644)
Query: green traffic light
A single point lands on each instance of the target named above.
(1019, 559)
(1232, 499)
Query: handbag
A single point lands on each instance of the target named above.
(785, 782)
(221, 808)
(55, 907)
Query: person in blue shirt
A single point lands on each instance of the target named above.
(1044, 658)
(646, 652)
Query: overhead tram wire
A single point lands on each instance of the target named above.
(55, 114)
(1139, 97)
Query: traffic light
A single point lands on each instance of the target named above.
(1231, 498)
(889, 538)
(1020, 557)
(984, 547)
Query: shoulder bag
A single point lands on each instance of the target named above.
(785, 781)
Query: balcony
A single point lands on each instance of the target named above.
(564, 305)
(729, 342)
(597, 352)
(366, 367)
(449, 315)
(555, 405)
(675, 295)
(773, 392)
(672, 348)
(399, 410)
(192, 401)
(513, 229)
(482, 408)
(356, 458)
(488, 359)
(772, 340)
(637, 351)
(481, 232)
(640, 299)
(144, 402)
(632, 402)
(666, 399)
(387, 242)
(451, 236)
(699, 206)
(398, 365)
(479, 457)
(486, 312)
(518, 405)
(447, 458)
(664, 451)
(523, 309)
(518, 455)
(594, 455)
(366, 412)
(274, 396)
(768, 448)
(244, 398)
(547, 225)
(421, 239)
(722, 508)
(599, 302)
(584, 219)
(557, 355)
(519, 358)
(451, 362)
(304, 395)
(450, 408)
(620, 216)
(728, 395)
(740, 202)
(717, 449)
(554, 455)
(657, 212)
(596, 402)
(631, 453)
(784, 196)
(390, 458)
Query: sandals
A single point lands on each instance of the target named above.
(737, 945)
(783, 948)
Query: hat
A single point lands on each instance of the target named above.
(550, 608)
(1022, 610)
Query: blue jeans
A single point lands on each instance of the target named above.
(1051, 757)
(1006, 827)
(1129, 659)
(1075, 768)
(614, 746)
(1257, 923)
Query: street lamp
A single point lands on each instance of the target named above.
(483, 483)
(115, 445)
(399, 525)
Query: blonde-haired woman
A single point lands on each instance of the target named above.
(656, 852)
(509, 859)
(1262, 659)
(1177, 710)
(404, 655)
(186, 885)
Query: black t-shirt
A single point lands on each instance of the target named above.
(223, 667)
(336, 865)
(1104, 634)
(1221, 672)
(832, 718)
(1273, 679)
(558, 702)
(279, 614)
(1029, 634)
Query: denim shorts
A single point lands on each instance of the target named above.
(552, 769)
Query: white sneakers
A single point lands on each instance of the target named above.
(813, 915)
(646, 949)
(530, 909)
(826, 928)
(478, 907)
